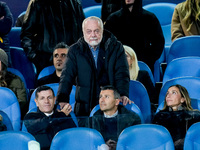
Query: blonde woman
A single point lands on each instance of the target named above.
(177, 115)
(186, 19)
(139, 75)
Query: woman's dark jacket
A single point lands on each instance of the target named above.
(112, 69)
(125, 118)
(139, 29)
(48, 22)
(44, 128)
(177, 123)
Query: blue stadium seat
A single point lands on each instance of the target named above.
(192, 85)
(10, 105)
(6, 121)
(92, 11)
(143, 66)
(132, 107)
(14, 37)
(180, 67)
(77, 139)
(46, 71)
(145, 136)
(138, 94)
(15, 140)
(184, 47)
(21, 63)
(192, 138)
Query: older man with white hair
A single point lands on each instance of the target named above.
(95, 60)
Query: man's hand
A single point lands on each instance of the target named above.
(125, 100)
(66, 109)
(62, 104)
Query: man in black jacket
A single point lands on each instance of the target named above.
(59, 58)
(47, 121)
(112, 118)
(97, 59)
(139, 29)
(46, 23)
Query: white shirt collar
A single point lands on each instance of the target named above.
(114, 115)
(49, 114)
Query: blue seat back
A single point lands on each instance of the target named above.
(180, 67)
(10, 105)
(192, 138)
(10, 140)
(92, 11)
(143, 66)
(145, 136)
(138, 94)
(132, 107)
(6, 121)
(21, 63)
(54, 86)
(184, 47)
(88, 139)
(14, 37)
(192, 85)
(46, 71)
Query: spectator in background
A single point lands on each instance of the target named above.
(13, 82)
(112, 118)
(47, 121)
(6, 22)
(108, 7)
(59, 58)
(140, 75)
(97, 59)
(177, 115)
(46, 23)
(139, 29)
(186, 19)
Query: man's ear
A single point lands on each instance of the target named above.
(117, 101)
(36, 102)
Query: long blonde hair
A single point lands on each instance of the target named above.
(134, 68)
(192, 12)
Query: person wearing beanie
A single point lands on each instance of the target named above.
(13, 82)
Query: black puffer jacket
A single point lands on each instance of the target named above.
(112, 69)
(48, 22)
(125, 118)
(139, 29)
